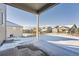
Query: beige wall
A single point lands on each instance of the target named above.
(54, 30)
(2, 26)
(16, 31)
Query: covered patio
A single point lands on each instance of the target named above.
(34, 8)
(49, 44)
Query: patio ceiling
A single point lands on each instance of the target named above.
(36, 8)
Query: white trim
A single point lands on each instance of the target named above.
(37, 27)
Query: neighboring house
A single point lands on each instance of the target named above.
(55, 29)
(73, 29)
(43, 30)
(60, 29)
(63, 29)
(33, 30)
(47, 29)
(13, 29)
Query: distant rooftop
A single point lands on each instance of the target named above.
(8, 23)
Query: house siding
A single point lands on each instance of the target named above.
(2, 26)
(15, 31)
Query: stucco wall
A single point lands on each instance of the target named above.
(16, 31)
(2, 26)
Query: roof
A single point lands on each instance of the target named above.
(36, 8)
(11, 24)
(68, 26)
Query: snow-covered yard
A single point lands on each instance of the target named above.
(20, 47)
(52, 45)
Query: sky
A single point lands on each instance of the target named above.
(62, 14)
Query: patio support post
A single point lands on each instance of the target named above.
(37, 27)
